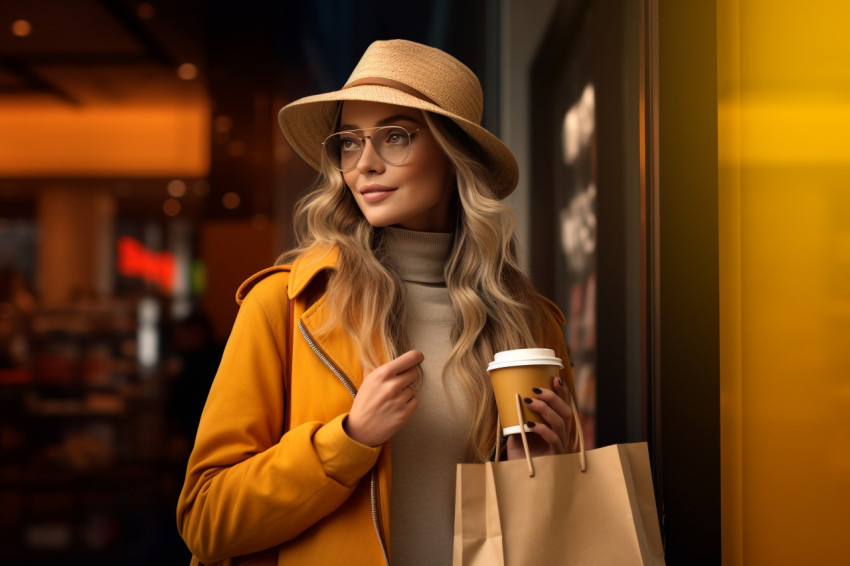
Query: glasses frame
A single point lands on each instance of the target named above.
(363, 139)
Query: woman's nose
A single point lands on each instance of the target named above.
(370, 161)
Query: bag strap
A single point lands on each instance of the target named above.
(524, 437)
(528, 459)
(290, 329)
(287, 373)
(580, 432)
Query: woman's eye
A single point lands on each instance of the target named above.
(347, 144)
(395, 138)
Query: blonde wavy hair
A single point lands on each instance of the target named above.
(494, 303)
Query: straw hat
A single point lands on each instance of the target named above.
(408, 74)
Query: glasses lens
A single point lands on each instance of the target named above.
(392, 144)
(343, 150)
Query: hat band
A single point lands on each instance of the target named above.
(380, 81)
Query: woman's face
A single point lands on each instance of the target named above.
(415, 195)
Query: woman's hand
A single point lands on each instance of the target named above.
(386, 400)
(553, 436)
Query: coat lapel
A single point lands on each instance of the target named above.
(331, 339)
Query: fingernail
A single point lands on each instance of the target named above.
(537, 390)
(560, 382)
(530, 424)
(527, 401)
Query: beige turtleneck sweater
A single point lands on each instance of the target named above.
(425, 451)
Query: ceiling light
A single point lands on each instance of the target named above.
(222, 123)
(231, 201)
(21, 28)
(187, 71)
(176, 188)
(171, 207)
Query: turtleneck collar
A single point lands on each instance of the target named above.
(419, 257)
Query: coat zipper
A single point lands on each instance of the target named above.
(376, 519)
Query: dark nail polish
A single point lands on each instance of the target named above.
(527, 401)
(537, 390)
(530, 424)
(560, 382)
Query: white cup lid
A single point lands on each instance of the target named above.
(525, 357)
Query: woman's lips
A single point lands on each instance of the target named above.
(375, 193)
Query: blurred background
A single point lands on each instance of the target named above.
(700, 148)
(143, 176)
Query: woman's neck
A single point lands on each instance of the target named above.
(419, 257)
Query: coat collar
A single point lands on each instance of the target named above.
(301, 272)
(310, 264)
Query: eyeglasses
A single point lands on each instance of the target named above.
(391, 143)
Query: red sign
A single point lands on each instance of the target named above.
(135, 260)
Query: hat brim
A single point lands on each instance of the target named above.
(309, 120)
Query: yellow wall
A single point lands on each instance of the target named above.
(784, 175)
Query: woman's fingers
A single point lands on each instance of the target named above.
(407, 371)
(554, 411)
(385, 400)
(555, 442)
(552, 406)
(412, 390)
(569, 416)
(405, 362)
(537, 446)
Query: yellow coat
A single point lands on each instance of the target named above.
(312, 496)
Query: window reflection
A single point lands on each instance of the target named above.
(578, 244)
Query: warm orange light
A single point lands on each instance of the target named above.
(123, 141)
(21, 28)
(231, 201)
(187, 71)
(177, 188)
(222, 123)
(171, 207)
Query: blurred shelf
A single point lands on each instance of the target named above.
(89, 466)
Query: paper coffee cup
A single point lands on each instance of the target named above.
(515, 372)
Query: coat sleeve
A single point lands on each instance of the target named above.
(248, 485)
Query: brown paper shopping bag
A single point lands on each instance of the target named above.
(593, 507)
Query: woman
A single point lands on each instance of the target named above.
(362, 359)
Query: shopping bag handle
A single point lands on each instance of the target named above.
(524, 437)
(528, 459)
